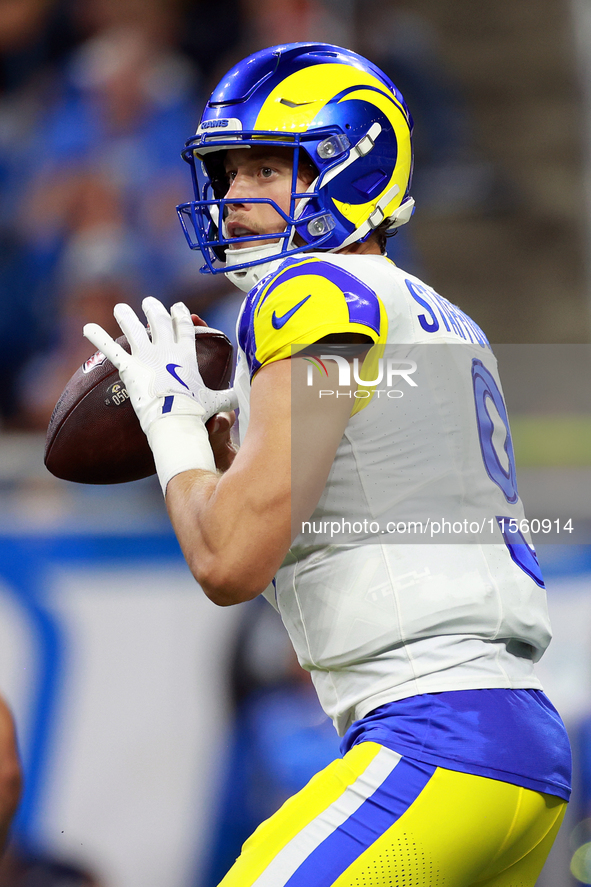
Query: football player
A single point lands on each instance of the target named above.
(455, 767)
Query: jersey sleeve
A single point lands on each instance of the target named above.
(303, 303)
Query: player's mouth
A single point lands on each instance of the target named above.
(235, 229)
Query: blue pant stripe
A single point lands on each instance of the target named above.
(377, 814)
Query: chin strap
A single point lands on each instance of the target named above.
(399, 217)
(247, 278)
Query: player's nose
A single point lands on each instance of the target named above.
(238, 191)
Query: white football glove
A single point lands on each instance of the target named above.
(164, 384)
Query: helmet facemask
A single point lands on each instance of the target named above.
(307, 224)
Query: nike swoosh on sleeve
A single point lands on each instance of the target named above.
(278, 322)
(171, 367)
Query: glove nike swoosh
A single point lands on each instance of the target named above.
(171, 367)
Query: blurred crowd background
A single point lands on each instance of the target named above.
(97, 98)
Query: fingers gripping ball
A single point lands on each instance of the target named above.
(94, 435)
(161, 374)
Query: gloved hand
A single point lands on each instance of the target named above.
(164, 384)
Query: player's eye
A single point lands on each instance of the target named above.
(231, 175)
(267, 172)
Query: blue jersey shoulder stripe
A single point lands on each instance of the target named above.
(246, 335)
(362, 302)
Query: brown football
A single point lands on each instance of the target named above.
(94, 436)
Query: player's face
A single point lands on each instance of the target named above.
(259, 172)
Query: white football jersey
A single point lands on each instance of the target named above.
(412, 575)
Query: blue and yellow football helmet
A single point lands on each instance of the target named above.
(347, 117)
